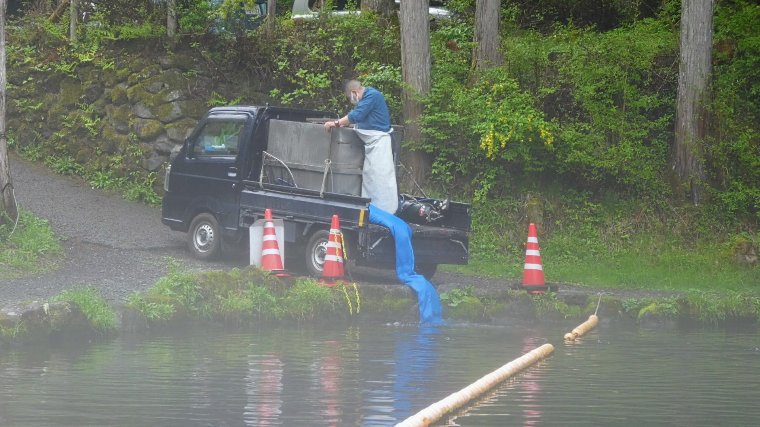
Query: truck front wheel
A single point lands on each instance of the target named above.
(204, 237)
(316, 249)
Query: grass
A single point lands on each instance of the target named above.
(31, 248)
(606, 249)
(97, 310)
(240, 295)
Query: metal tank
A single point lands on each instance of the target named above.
(306, 149)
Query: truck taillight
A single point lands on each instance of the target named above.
(166, 178)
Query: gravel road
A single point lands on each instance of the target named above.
(110, 243)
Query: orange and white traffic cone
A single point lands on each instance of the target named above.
(333, 270)
(270, 250)
(533, 272)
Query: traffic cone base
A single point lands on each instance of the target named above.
(333, 270)
(533, 271)
(270, 249)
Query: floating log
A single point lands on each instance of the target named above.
(583, 328)
(454, 401)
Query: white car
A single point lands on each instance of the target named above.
(301, 11)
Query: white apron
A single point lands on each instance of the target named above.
(378, 172)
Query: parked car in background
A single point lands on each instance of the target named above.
(305, 10)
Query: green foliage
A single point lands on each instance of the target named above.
(458, 296)
(31, 248)
(97, 310)
(306, 299)
(713, 307)
(734, 153)
(178, 286)
(241, 296)
(194, 16)
(665, 307)
(589, 109)
(549, 304)
(218, 100)
(311, 60)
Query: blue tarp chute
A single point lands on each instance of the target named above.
(427, 297)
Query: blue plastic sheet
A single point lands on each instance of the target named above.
(427, 297)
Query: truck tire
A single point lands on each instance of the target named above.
(204, 237)
(427, 270)
(314, 254)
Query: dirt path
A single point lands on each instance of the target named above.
(110, 243)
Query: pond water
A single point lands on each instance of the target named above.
(379, 374)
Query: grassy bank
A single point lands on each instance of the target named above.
(614, 244)
(27, 247)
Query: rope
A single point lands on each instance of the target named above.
(597, 303)
(348, 273)
(328, 162)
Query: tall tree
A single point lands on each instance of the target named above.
(73, 17)
(415, 67)
(487, 39)
(171, 18)
(271, 17)
(693, 93)
(383, 8)
(7, 202)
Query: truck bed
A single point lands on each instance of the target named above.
(444, 242)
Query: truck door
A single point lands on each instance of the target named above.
(212, 175)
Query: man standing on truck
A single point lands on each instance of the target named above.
(373, 126)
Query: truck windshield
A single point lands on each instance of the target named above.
(219, 137)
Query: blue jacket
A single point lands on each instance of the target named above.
(371, 113)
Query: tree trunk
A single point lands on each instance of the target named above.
(693, 93)
(271, 11)
(383, 8)
(73, 15)
(487, 39)
(8, 209)
(415, 67)
(171, 18)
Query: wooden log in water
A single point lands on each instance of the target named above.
(454, 401)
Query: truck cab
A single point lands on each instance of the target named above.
(241, 160)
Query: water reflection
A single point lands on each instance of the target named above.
(377, 375)
(264, 390)
(529, 387)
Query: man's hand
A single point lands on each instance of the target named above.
(330, 124)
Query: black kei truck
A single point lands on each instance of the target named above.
(241, 160)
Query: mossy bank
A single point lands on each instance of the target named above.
(242, 297)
